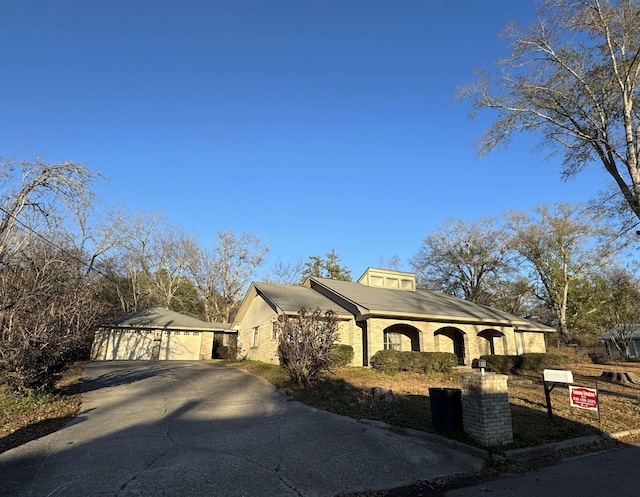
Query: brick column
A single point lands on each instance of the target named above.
(486, 414)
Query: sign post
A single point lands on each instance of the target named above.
(550, 378)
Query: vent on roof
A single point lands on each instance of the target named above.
(386, 278)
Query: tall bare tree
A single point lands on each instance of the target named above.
(36, 189)
(48, 301)
(572, 78)
(468, 260)
(223, 272)
(154, 259)
(286, 273)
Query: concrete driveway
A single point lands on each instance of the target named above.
(202, 429)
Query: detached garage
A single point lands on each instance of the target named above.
(158, 334)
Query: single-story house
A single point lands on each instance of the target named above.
(160, 334)
(383, 309)
(633, 349)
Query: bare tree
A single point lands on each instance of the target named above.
(572, 78)
(222, 273)
(465, 260)
(289, 273)
(392, 263)
(95, 235)
(36, 188)
(48, 300)
(154, 259)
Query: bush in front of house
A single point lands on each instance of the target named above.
(386, 361)
(441, 362)
(341, 355)
(304, 343)
(505, 364)
(395, 361)
(501, 364)
(538, 362)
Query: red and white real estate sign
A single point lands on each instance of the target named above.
(584, 398)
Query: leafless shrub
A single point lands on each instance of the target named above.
(305, 343)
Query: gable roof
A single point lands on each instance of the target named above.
(291, 298)
(288, 299)
(365, 302)
(161, 318)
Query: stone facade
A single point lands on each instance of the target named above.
(486, 414)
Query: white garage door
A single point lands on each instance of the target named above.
(119, 345)
(180, 345)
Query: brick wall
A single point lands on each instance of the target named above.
(486, 414)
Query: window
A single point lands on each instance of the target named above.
(392, 283)
(274, 332)
(392, 341)
(377, 281)
(407, 284)
(254, 337)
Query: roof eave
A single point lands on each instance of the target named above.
(450, 319)
(151, 326)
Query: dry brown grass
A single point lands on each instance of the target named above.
(346, 391)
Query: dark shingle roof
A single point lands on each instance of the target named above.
(160, 318)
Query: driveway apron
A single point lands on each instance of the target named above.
(203, 429)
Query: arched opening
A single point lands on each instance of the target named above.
(457, 342)
(402, 337)
(493, 343)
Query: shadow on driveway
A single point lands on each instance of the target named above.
(192, 428)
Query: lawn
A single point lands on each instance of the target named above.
(26, 418)
(347, 391)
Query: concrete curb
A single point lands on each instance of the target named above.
(621, 434)
(512, 454)
(540, 450)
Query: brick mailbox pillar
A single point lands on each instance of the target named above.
(486, 414)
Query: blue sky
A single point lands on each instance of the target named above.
(311, 124)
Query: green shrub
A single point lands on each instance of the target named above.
(441, 362)
(414, 362)
(395, 361)
(505, 364)
(501, 364)
(538, 362)
(386, 361)
(341, 355)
